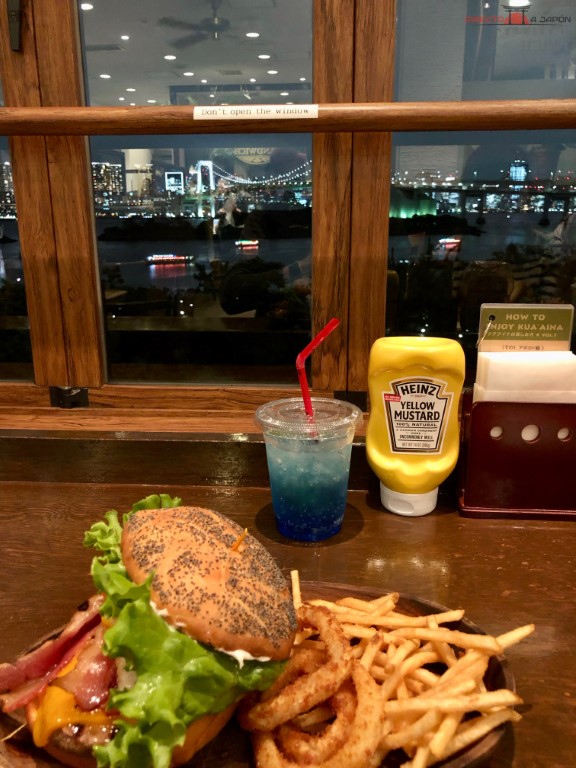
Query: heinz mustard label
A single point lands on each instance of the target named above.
(417, 410)
(412, 435)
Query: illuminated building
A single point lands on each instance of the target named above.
(107, 178)
(7, 202)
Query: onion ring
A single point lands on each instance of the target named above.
(304, 661)
(307, 748)
(361, 750)
(307, 691)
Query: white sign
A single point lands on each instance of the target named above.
(174, 182)
(257, 112)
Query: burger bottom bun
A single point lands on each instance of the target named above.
(69, 758)
(199, 733)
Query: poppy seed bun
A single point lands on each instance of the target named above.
(230, 598)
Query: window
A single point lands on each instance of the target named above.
(15, 351)
(481, 216)
(204, 241)
(353, 163)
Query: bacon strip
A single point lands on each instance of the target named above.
(34, 670)
(93, 676)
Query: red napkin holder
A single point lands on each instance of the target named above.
(505, 475)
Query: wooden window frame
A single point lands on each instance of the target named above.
(48, 125)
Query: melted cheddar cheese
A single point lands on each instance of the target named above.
(57, 709)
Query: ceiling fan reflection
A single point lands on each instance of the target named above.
(209, 28)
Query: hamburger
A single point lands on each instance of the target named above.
(190, 614)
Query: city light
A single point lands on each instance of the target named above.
(416, 192)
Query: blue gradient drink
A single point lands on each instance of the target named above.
(309, 464)
(309, 484)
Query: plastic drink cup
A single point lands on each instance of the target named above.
(308, 463)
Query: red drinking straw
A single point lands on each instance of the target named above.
(301, 362)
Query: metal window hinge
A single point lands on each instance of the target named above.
(15, 24)
(69, 397)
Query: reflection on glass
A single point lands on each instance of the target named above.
(490, 50)
(481, 216)
(15, 349)
(203, 241)
(204, 256)
(509, 198)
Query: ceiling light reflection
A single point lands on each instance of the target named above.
(239, 437)
(438, 568)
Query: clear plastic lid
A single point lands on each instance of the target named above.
(288, 417)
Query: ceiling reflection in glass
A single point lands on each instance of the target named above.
(141, 52)
(203, 240)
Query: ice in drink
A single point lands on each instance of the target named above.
(309, 464)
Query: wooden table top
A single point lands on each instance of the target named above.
(505, 573)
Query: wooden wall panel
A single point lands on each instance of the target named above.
(56, 229)
(53, 198)
(77, 267)
(136, 402)
(21, 395)
(489, 115)
(19, 72)
(332, 167)
(58, 47)
(33, 200)
(370, 204)
(39, 260)
(60, 76)
(373, 82)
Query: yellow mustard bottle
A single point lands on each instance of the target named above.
(412, 436)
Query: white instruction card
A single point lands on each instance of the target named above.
(525, 327)
(257, 112)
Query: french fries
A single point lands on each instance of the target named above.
(418, 687)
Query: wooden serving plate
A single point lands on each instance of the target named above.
(231, 749)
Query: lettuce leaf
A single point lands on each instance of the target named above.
(108, 571)
(177, 679)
